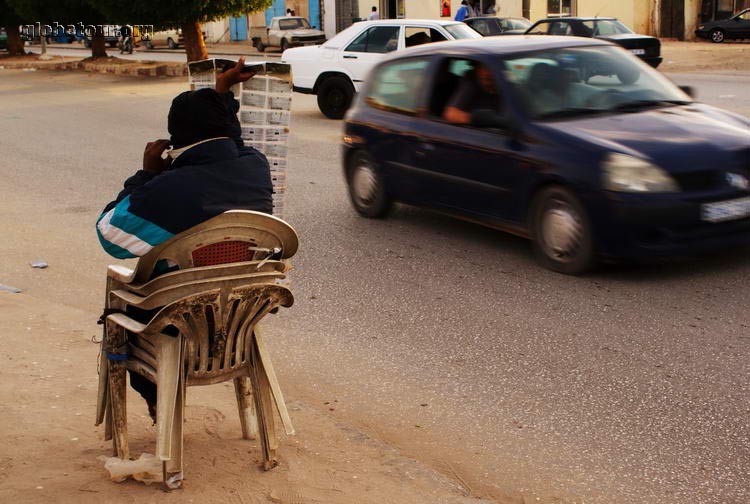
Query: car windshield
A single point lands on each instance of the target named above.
(607, 27)
(293, 23)
(577, 81)
(519, 24)
(461, 31)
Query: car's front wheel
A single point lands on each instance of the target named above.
(335, 96)
(367, 188)
(561, 232)
(717, 36)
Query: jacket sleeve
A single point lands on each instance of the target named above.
(123, 234)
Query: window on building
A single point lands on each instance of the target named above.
(556, 8)
(378, 39)
(397, 86)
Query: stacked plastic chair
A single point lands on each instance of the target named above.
(202, 329)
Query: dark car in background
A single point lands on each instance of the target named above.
(589, 152)
(736, 27)
(645, 47)
(489, 26)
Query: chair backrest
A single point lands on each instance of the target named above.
(236, 235)
(217, 326)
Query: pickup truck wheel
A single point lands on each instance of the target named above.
(335, 96)
(260, 46)
(171, 44)
(284, 45)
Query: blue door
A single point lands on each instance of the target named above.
(314, 10)
(238, 28)
(277, 9)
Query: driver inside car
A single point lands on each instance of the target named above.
(475, 91)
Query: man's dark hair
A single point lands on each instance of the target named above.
(374, 9)
(197, 115)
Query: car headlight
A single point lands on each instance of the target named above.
(625, 173)
(701, 27)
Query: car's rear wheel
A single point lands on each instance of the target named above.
(284, 45)
(561, 232)
(717, 36)
(260, 46)
(171, 44)
(335, 96)
(367, 188)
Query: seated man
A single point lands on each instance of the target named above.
(208, 171)
(475, 91)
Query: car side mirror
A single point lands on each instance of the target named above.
(486, 118)
(688, 90)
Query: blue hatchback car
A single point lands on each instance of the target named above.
(574, 143)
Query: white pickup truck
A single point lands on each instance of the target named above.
(336, 70)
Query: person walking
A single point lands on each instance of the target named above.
(374, 16)
(463, 11)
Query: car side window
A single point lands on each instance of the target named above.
(378, 39)
(465, 84)
(397, 86)
(417, 35)
(560, 28)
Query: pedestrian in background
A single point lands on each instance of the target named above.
(374, 14)
(463, 12)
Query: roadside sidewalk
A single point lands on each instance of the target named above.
(51, 447)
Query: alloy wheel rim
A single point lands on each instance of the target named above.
(718, 36)
(364, 183)
(562, 231)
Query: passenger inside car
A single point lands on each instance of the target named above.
(475, 90)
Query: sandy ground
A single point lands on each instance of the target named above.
(51, 448)
(705, 56)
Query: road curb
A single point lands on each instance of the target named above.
(124, 69)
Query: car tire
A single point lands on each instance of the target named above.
(367, 189)
(149, 45)
(171, 44)
(112, 45)
(260, 46)
(717, 36)
(335, 96)
(284, 45)
(561, 232)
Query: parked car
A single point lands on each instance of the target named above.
(490, 25)
(736, 27)
(172, 39)
(645, 47)
(336, 70)
(589, 153)
(286, 32)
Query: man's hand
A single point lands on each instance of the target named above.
(226, 80)
(152, 156)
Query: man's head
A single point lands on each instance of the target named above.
(197, 115)
(484, 78)
(374, 9)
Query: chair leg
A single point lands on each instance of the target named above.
(264, 411)
(173, 467)
(102, 392)
(167, 392)
(118, 404)
(278, 397)
(246, 407)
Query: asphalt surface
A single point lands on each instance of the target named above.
(629, 385)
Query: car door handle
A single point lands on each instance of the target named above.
(349, 56)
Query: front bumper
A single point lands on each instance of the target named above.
(645, 226)
(704, 34)
(654, 61)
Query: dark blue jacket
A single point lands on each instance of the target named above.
(204, 181)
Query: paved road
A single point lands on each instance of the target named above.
(441, 337)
